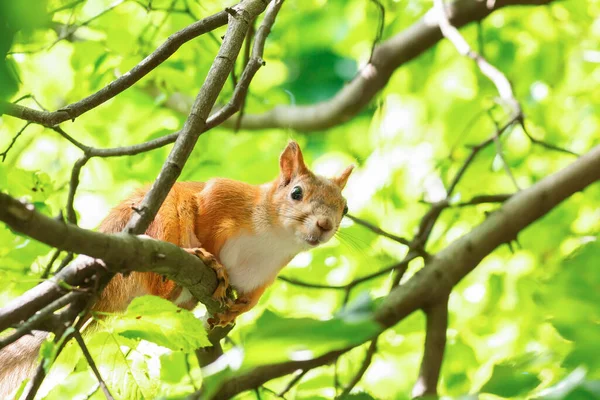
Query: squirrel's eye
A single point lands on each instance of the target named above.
(345, 210)
(296, 193)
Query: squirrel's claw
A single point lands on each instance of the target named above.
(220, 293)
(241, 305)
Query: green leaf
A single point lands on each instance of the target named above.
(571, 300)
(506, 381)
(160, 321)
(73, 385)
(278, 339)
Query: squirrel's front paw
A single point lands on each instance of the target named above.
(220, 293)
(240, 306)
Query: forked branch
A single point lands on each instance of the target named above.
(387, 57)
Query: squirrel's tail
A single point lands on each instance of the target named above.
(18, 362)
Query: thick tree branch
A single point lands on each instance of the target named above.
(388, 56)
(149, 63)
(445, 269)
(240, 18)
(433, 354)
(40, 317)
(118, 252)
(450, 265)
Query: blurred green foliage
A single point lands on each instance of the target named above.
(16, 16)
(524, 324)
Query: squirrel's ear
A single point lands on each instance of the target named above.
(291, 162)
(342, 178)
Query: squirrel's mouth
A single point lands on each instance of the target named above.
(312, 242)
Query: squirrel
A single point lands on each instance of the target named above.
(246, 233)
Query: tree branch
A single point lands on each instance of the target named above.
(387, 57)
(64, 332)
(492, 73)
(92, 364)
(196, 122)
(433, 353)
(363, 368)
(120, 84)
(378, 230)
(13, 141)
(350, 285)
(448, 267)
(292, 383)
(40, 317)
(252, 66)
(119, 252)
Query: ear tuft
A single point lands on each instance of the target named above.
(342, 178)
(291, 162)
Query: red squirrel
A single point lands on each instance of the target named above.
(247, 233)
(252, 231)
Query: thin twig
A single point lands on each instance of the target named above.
(482, 199)
(380, 27)
(500, 153)
(378, 230)
(65, 261)
(69, 30)
(430, 218)
(48, 268)
(254, 63)
(247, 48)
(66, 6)
(350, 285)
(363, 368)
(92, 365)
(546, 145)
(162, 22)
(13, 141)
(389, 55)
(73, 184)
(63, 332)
(292, 383)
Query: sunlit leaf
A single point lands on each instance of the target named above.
(507, 381)
(160, 321)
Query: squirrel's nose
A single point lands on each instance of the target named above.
(325, 224)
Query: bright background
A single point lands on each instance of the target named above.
(522, 322)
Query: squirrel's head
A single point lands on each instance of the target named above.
(310, 205)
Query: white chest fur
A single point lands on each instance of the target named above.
(253, 260)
